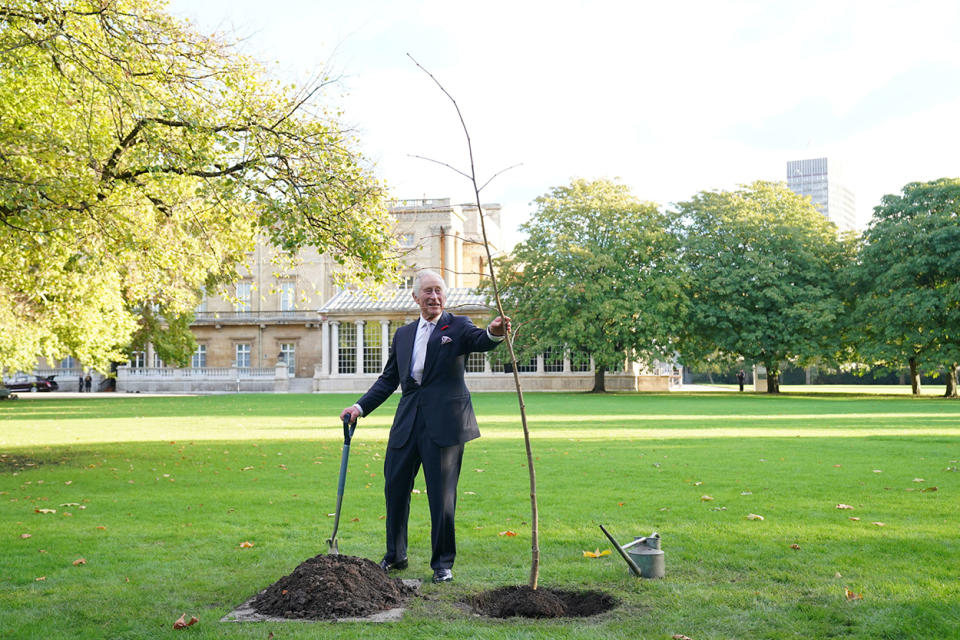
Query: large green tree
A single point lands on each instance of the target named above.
(138, 162)
(598, 273)
(907, 282)
(762, 266)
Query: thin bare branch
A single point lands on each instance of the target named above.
(448, 166)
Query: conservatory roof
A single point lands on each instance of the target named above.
(400, 301)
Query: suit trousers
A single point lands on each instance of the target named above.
(441, 471)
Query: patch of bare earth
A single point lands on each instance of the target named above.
(507, 602)
(328, 587)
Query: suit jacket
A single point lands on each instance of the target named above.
(442, 396)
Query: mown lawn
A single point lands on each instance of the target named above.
(156, 495)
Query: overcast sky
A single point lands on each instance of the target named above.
(671, 97)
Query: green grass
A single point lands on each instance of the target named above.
(172, 486)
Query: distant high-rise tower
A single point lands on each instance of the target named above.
(825, 187)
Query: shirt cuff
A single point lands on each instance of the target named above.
(493, 337)
(358, 408)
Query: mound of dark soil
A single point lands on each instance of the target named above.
(327, 587)
(507, 602)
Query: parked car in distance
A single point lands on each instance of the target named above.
(31, 383)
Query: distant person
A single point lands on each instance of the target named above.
(87, 383)
(740, 376)
(80, 384)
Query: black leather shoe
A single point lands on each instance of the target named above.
(399, 565)
(442, 575)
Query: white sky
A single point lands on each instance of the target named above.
(671, 97)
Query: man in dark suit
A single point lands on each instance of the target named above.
(433, 421)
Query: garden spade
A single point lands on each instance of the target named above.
(348, 430)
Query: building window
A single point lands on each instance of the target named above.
(579, 361)
(138, 359)
(475, 362)
(243, 355)
(288, 354)
(288, 296)
(244, 290)
(553, 360)
(157, 362)
(372, 360)
(394, 325)
(527, 366)
(69, 363)
(199, 358)
(202, 305)
(407, 241)
(347, 349)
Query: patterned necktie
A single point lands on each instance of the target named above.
(420, 351)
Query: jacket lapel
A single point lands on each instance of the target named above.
(405, 347)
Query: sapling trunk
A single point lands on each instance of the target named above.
(472, 177)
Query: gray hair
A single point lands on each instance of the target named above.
(427, 272)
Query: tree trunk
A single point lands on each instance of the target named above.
(599, 382)
(773, 381)
(914, 377)
(951, 381)
(710, 377)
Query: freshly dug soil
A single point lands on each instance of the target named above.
(326, 587)
(507, 602)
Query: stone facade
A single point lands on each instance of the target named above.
(286, 327)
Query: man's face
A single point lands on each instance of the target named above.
(430, 297)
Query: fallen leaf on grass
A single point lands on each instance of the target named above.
(878, 470)
(246, 544)
(415, 491)
(40, 579)
(70, 504)
(680, 636)
(706, 498)
(854, 518)
(355, 520)
(469, 493)
(844, 506)
(101, 528)
(44, 510)
(246, 469)
(919, 480)
(718, 509)
(928, 490)
(24, 536)
(507, 533)
(620, 504)
(851, 595)
(879, 524)
(479, 470)
(596, 554)
(754, 516)
(795, 547)
(746, 493)
(182, 623)
(79, 561)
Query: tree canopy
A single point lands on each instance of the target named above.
(139, 160)
(762, 266)
(598, 274)
(907, 281)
